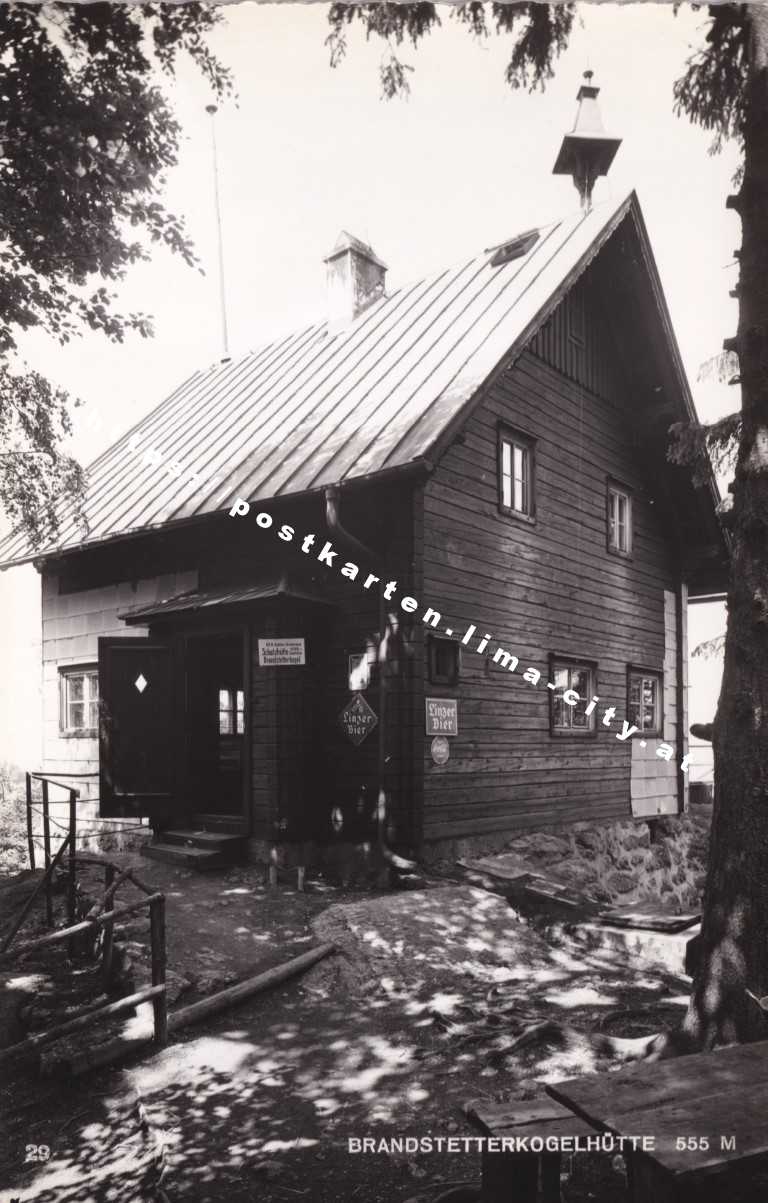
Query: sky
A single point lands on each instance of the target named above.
(463, 163)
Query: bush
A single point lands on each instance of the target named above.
(13, 820)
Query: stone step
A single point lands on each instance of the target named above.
(213, 841)
(180, 854)
(228, 824)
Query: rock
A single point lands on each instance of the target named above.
(590, 837)
(663, 855)
(620, 883)
(540, 845)
(175, 985)
(600, 894)
(639, 838)
(576, 873)
(668, 825)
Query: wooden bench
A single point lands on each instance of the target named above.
(524, 1177)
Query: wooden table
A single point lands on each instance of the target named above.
(704, 1113)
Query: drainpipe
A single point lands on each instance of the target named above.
(333, 522)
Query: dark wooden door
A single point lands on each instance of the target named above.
(136, 727)
(215, 723)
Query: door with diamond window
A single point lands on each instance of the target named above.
(137, 729)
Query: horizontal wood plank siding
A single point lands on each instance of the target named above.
(542, 587)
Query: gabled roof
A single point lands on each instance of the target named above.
(324, 407)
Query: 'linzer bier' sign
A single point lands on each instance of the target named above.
(442, 716)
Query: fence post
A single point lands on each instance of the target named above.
(30, 839)
(160, 1003)
(47, 852)
(72, 891)
(107, 946)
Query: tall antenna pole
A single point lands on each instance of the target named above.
(211, 109)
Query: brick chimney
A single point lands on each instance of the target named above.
(355, 279)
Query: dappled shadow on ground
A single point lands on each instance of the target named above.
(375, 1042)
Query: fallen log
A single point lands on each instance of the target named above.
(118, 1049)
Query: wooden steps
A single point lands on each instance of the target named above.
(195, 849)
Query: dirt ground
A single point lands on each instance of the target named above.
(261, 1102)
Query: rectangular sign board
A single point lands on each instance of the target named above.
(281, 651)
(442, 716)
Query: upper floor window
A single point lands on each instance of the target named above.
(515, 474)
(619, 507)
(231, 712)
(575, 685)
(644, 693)
(79, 700)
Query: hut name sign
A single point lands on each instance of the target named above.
(281, 651)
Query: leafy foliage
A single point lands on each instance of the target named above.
(696, 445)
(541, 32)
(710, 649)
(88, 137)
(33, 470)
(712, 90)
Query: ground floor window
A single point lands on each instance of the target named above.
(79, 700)
(231, 712)
(644, 693)
(575, 684)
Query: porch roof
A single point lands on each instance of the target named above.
(196, 600)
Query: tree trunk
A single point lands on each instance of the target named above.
(734, 944)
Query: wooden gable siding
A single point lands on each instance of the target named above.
(538, 588)
(576, 341)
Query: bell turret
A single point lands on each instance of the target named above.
(587, 151)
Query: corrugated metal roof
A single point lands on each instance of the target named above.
(322, 407)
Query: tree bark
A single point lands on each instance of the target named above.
(734, 944)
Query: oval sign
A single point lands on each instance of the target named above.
(440, 749)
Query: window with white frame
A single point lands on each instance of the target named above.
(574, 687)
(79, 700)
(515, 474)
(619, 520)
(644, 694)
(231, 712)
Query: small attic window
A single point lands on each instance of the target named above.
(515, 248)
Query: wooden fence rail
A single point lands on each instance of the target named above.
(98, 917)
(156, 993)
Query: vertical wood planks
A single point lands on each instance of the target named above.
(160, 1001)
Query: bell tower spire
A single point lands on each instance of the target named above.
(587, 151)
